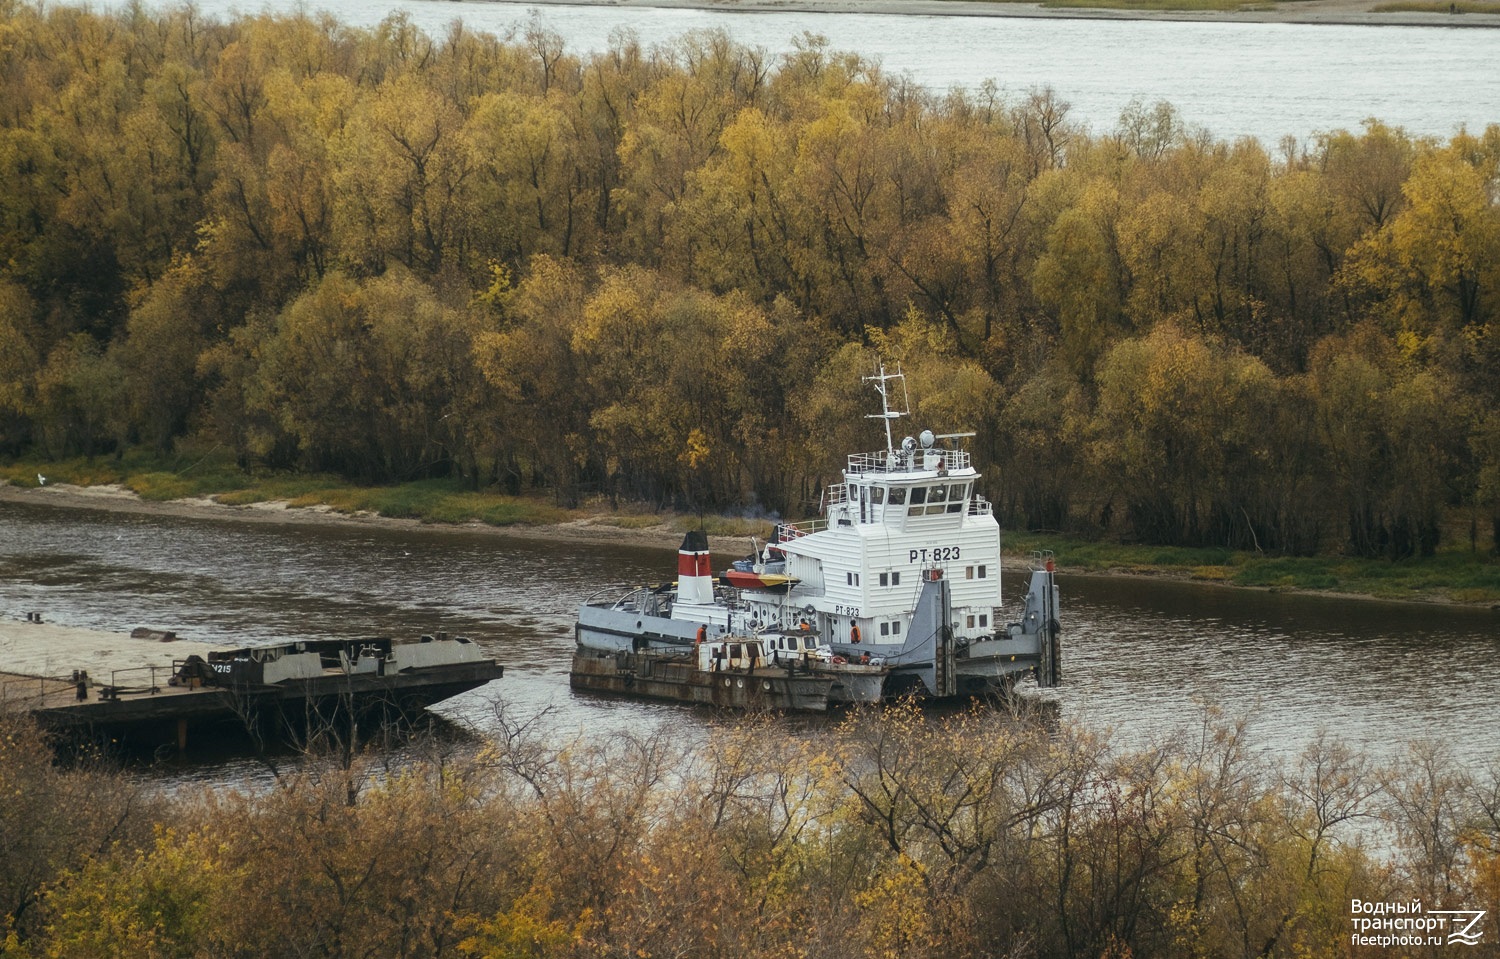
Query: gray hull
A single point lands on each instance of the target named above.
(669, 676)
(609, 630)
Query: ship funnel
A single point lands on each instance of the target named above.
(695, 578)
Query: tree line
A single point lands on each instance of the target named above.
(657, 273)
(888, 834)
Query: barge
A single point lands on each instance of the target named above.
(150, 688)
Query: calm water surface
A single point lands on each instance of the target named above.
(1142, 657)
(1234, 79)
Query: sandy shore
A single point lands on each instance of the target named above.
(1344, 12)
(120, 500)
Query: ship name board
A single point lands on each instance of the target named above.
(937, 554)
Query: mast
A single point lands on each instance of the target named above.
(882, 381)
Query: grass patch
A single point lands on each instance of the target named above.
(1158, 6)
(1211, 574)
(1456, 575)
(728, 526)
(1436, 6)
(633, 520)
(77, 471)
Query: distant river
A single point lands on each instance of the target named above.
(1234, 79)
(1140, 657)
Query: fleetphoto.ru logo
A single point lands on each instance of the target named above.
(1408, 924)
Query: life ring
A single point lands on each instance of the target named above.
(839, 660)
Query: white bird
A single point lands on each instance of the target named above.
(41, 480)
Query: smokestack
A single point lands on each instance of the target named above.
(695, 578)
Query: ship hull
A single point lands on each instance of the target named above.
(674, 677)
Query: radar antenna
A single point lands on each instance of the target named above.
(882, 381)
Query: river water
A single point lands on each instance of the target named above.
(1234, 79)
(1142, 657)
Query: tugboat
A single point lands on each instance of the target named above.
(899, 576)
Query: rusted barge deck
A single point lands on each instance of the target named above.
(151, 688)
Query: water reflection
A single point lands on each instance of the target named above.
(1142, 656)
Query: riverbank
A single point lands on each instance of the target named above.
(1468, 13)
(600, 528)
(1453, 578)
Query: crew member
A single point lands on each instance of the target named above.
(854, 634)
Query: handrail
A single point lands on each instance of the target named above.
(901, 461)
(116, 687)
(9, 685)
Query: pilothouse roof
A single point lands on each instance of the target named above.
(916, 457)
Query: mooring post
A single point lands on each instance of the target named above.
(182, 735)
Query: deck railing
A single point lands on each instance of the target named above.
(900, 461)
(28, 689)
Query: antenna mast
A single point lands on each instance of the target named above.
(882, 380)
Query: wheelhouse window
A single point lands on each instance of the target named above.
(877, 495)
(898, 496)
(918, 495)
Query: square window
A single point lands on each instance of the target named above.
(937, 494)
(898, 497)
(877, 495)
(984, 619)
(885, 579)
(981, 572)
(968, 572)
(896, 628)
(885, 629)
(918, 495)
(895, 579)
(848, 579)
(971, 622)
